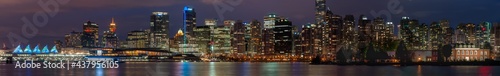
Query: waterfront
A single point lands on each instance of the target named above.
(255, 69)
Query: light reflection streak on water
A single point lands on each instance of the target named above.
(212, 69)
(245, 69)
(485, 71)
(295, 69)
(186, 69)
(99, 72)
(270, 69)
(419, 70)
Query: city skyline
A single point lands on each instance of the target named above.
(136, 17)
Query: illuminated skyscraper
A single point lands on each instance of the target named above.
(283, 36)
(178, 42)
(189, 22)
(378, 30)
(435, 36)
(203, 38)
(138, 39)
(159, 30)
(268, 40)
(328, 36)
(268, 33)
(390, 29)
(496, 38)
(365, 30)
(306, 38)
(349, 33)
(321, 10)
(448, 31)
(270, 20)
(112, 26)
(256, 36)
(409, 32)
(238, 34)
(90, 36)
(222, 39)
(110, 40)
(325, 38)
(483, 34)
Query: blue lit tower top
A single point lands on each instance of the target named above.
(189, 17)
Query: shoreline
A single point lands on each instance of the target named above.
(482, 63)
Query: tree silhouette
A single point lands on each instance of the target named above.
(340, 57)
(403, 54)
(447, 49)
(370, 53)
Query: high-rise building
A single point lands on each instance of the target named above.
(421, 32)
(390, 29)
(238, 40)
(297, 43)
(483, 35)
(435, 36)
(496, 38)
(221, 37)
(73, 39)
(460, 34)
(336, 24)
(307, 39)
(349, 33)
(268, 33)
(138, 39)
(270, 20)
(321, 10)
(378, 30)
(413, 34)
(327, 32)
(189, 22)
(283, 36)
(247, 39)
(324, 41)
(203, 38)
(178, 42)
(466, 33)
(448, 31)
(365, 30)
(110, 40)
(256, 37)
(90, 36)
(159, 30)
(268, 41)
(112, 26)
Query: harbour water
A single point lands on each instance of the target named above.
(253, 69)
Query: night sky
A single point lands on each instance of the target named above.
(134, 14)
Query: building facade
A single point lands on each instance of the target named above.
(90, 37)
(159, 30)
(138, 39)
(284, 37)
(73, 39)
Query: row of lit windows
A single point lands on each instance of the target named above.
(470, 52)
